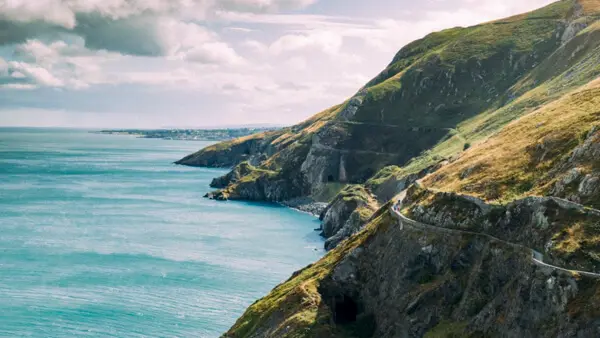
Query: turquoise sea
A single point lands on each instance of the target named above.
(102, 236)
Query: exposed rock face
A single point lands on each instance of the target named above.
(581, 179)
(559, 229)
(306, 204)
(392, 184)
(407, 283)
(320, 166)
(346, 214)
(254, 149)
(266, 188)
(353, 105)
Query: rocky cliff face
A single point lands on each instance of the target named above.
(499, 123)
(439, 95)
(254, 149)
(406, 282)
(432, 88)
(580, 181)
(411, 283)
(346, 214)
(564, 232)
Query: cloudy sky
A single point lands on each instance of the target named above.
(163, 63)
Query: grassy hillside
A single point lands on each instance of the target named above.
(529, 155)
(438, 96)
(501, 111)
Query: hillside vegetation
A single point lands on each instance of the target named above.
(500, 122)
(438, 96)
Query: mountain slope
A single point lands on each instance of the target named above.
(443, 91)
(439, 96)
(503, 121)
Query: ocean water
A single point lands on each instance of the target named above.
(102, 236)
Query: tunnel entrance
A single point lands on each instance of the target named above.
(346, 310)
(330, 178)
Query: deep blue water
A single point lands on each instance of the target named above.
(102, 236)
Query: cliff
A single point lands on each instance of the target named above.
(492, 133)
(439, 96)
(393, 281)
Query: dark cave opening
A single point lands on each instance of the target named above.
(346, 310)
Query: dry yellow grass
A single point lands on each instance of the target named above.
(590, 6)
(571, 240)
(515, 161)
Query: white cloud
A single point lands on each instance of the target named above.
(191, 42)
(263, 5)
(296, 63)
(56, 64)
(53, 12)
(3, 66)
(256, 46)
(239, 29)
(327, 42)
(130, 27)
(250, 52)
(213, 53)
(36, 74)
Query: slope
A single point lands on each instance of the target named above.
(533, 142)
(439, 96)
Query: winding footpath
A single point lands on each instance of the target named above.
(536, 256)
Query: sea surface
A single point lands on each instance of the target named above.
(101, 236)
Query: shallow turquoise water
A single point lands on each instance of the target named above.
(102, 236)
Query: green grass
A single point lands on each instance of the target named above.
(574, 65)
(446, 329)
(330, 191)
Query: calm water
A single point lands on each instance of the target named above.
(101, 236)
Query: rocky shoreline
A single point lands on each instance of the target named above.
(302, 204)
(307, 205)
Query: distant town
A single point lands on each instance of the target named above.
(189, 134)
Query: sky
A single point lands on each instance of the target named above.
(204, 63)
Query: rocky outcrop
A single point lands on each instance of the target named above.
(353, 105)
(581, 179)
(412, 283)
(264, 188)
(563, 231)
(307, 205)
(391, 281)
(352, 225)
(254, 149)
(346, 214)
(392, 180)
(233, 176)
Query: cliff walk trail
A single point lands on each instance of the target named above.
(536, 256)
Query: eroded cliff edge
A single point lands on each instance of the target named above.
(438, 97)
(393, 281)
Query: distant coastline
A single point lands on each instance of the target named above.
(188, 134)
